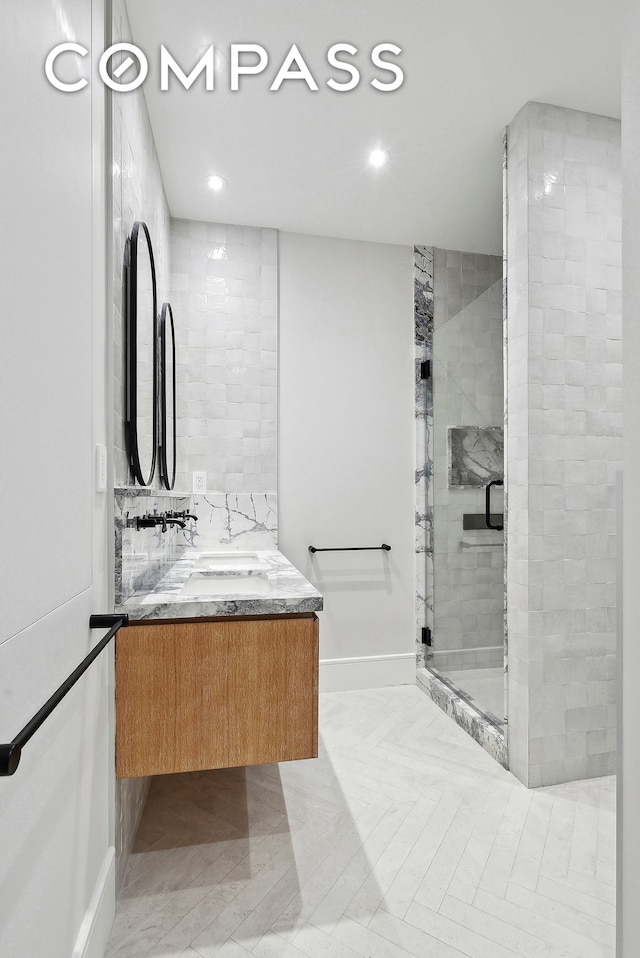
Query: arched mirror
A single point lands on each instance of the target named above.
(167, 440)
(141, 310)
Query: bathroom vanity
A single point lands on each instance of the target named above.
(218, 667)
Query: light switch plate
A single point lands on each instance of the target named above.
(199, 482)
(101, 468)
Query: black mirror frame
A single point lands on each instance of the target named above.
(166, 313)
(130, 294)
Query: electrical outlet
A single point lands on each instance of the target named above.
(199, 482)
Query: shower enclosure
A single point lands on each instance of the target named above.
(462, 448)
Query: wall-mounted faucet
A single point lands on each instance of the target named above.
(150, 521)
(175, 521)
(162, 519)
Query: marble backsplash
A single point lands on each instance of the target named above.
(224, 520)
(240, 520)
(142, 556)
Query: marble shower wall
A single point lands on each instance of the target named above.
(564, 391)
(468, 414)
(476, 455)
(423, 321)
(224, 292)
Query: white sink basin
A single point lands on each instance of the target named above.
(230, 560)
(229, 584)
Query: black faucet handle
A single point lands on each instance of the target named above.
(149, 521)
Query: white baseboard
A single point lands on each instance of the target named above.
(367, 672)
(96, 925)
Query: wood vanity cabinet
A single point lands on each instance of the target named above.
(215, 693)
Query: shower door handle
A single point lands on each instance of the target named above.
(487, 504)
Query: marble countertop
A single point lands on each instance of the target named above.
(286, 591)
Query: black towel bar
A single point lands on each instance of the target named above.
(384, 547)
(11, 752)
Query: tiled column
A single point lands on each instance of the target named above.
(564, 393)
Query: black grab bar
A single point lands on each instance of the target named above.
(10, 753)
(384, 546)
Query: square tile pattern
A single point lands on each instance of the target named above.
(564, 440)
(224, 289)
(404, 839)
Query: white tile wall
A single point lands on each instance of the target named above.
(224, 290)
(138, 194)
(459, 278)
(564, 388)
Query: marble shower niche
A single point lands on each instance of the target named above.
(476, 455)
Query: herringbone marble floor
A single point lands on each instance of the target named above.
(402, 840)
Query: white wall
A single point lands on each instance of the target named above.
(628, 646)
(346, 448)
(56, 867)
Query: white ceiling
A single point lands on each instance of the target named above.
(296, 160)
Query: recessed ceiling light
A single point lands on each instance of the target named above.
(219, 59)
(215, 182)
(378, 157)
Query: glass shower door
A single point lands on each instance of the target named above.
(468, 445)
